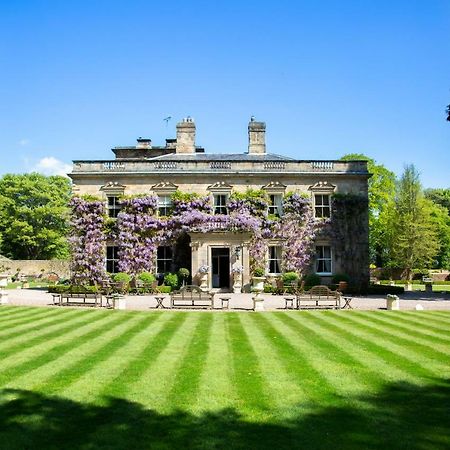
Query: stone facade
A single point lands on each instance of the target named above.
(181, 165)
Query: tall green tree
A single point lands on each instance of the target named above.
(413, 242)
(441, 221)
(34, 216)
(381, 199)
(439, 196)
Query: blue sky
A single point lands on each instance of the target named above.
(328, 78)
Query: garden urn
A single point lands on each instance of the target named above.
(392, 302)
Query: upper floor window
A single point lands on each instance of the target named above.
(275, 204)
(112, 259)
(113, 206)
(322, 205)
(164, 258)
(274, 259)
(323, 260)
(164, 205)
(220, 204)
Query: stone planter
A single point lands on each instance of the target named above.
(3, 283)
(392, 302)
(258, 283)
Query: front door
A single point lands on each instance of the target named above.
(220, 267)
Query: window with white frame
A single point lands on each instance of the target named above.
(274, 259)
(220, 204)
(164, 259)
(112, 259)
(323, 260)
(113, 206)
(275, 204)
(322, 205)
(164, 205)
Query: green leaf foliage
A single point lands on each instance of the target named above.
(34, 216)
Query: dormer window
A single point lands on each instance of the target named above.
(220, 204)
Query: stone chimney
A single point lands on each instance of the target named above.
(185, 136)
(256, 137)
(143, 142)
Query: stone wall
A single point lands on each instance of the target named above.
(37, 267)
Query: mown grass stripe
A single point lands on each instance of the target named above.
(216, 392)
(246, 376)
(132, 372)
(286, 393)
(420, 324)
(396, 322)
(30, 324)
(295, 360)
(314, 336)
(24, 317)
(18, 312)
(442, 316)
(115, 338)
(386, 347)
(43, 335)
(94, 328)
(394, 334)
(190, 368)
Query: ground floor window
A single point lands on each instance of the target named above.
(274, 259)
(323, 259)
(112, 259)
(164, 259)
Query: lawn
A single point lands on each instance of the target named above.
(97, 379)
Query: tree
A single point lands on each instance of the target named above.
(381, 198)
(441, 220)
(439, 196)
(34, 216)
(413, 242)
(448, 113)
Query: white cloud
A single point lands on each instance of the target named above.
(49, 165)
(24, 142)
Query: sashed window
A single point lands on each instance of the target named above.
(275, 202)
(164, 205)
(322, 205)
(113, 207)
(112, 259)
(274, 259)
(164, 259)
(220, 204)
(323, 259)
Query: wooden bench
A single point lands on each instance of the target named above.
(319, 297)
(191, 297)
(80, 299)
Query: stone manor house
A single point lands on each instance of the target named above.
(182, 165)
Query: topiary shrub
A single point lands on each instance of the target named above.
(122, 277)
(147, 277)
(340, 277)
(312, 280)
(290, 277)
(165, 289)
(183, 274)
(171, 279)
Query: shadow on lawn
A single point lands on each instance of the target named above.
(403, 416)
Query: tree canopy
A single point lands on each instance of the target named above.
(33, 216)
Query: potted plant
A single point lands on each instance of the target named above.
(203, 270)
(183, 275)
(237, 271)
(258, 279)
(341, 280)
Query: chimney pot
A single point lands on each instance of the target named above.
(256, 137)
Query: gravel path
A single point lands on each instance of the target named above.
(408, 300)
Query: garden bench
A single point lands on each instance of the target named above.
(191, 296)
(319, 297)
(80, 299)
